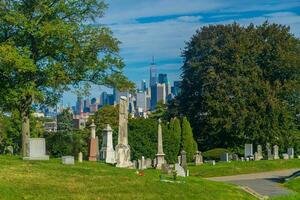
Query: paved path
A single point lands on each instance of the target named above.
(265, 183)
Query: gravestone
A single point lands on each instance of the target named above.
(179, 159)
(235, 157)
(94, 144)
(259, 153)
(198, 158)
(291, 153)
(10, 150)
(107, 152)
(80, 157)
(224, 157)
(269, 152)
(248, 150)
(67, 160)
(37, 149)
(122, 148)
(135, 164)
(160, 156)
(148, 163)
(276, 152)
(142, 163)
(285, 156)
(242, 159)
(180, 170)
(165, 168)
(183, 162)
(213, 162)
(154, 162)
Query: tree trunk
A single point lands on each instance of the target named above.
(25, 134)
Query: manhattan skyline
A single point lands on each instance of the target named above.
(160, 28)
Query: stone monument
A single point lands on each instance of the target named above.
(183, 162)
(180, 170)
(37, 149)
(122, 148)
(276, 152)
(290, 152)
(224, 157)
(107, 152)
(269, 152)
(68, 160)
(80, 157)
(248, 150)
(94, 144)
(160, 156)
(198, 158)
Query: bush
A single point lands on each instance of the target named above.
(64, 143)
(214, 154)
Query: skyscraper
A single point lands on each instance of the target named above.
(153, 73)
(163, 78)
(158, 94)
(176, 88)
(143, 85)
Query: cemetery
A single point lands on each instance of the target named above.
(79, 120)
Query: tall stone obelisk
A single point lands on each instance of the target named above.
(122, 148)
(107, 152)
(160, 156)
(94, 144)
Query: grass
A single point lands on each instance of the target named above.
(234, 168)
(292, 185)
(89, 180)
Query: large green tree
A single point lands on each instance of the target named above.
(188, 144)
(241, 84)
(172, 140)
(46, 46)
(65, 120)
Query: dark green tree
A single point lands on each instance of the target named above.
(46, 46)
(172, 140)
(188, 143)
(241, 84)
(65, 120)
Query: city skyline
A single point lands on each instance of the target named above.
(160, 28)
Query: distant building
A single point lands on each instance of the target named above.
(94, 105)
(153, 74)
(141, 100)
(176, 88)
(158, 94)
(117, 94)
(163, 78)
(143, 85)
(79, 106)
(50, 126)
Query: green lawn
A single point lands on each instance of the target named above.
(233, 168)
(52, 180)
(293, 185)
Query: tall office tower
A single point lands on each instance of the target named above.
(141, 101)
(158, 94)
(79, 106)
(117, 94)
(176, 88)
(143, 85)
(163, 78)
(94, 105)
(153, 73)
(103, 98)
(168, 89)
(86, 105)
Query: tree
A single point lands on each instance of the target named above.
(106, 115)
(172, 140)
(46, 46)
(65, 120)
(188, 143)
(142, 137)
(241, 84)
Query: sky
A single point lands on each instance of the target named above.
(161, 28)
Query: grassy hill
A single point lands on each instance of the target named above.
(51, 180)
(234, 168)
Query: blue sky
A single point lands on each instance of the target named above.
(160, 28)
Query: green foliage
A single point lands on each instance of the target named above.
(172, 140)
(48, 46)
(188, 143)
(241, 84)
(214, 154)
(62, 143)
(159, 112)
(142, 137)
(65, 120)
(106, 115)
